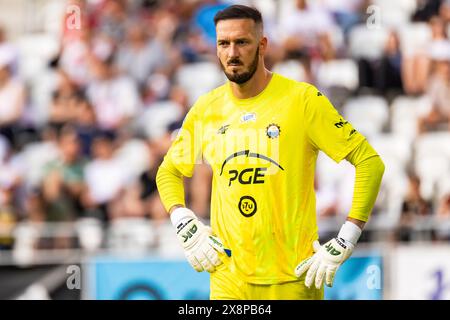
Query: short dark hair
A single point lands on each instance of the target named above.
(238, 11)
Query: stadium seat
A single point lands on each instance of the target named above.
(285, 8)
(337, 37)
(431, 169)
(4, 148)
(291, 69)
(26, 235)
(198, 78)
(34, 159)
(405, 112)
(40, 97)
(443, 186)
(368, 114)
(36, 50)
(397, 13)
(414, 37)
(394, 186)
(131, 235)
(374, 42)
(168, 244)
(336, 178)
(433, 143)
(90, 233)
(338, 73)
(134, 156)
(155, 119)
(432, 162)
(52, 14)
(393, 147)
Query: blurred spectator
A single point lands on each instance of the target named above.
(141, 56)
(111, 17)
(127, 204)
(8, 218)
(12, 98)
(383, 74)
(9, 50)
(438, 91)
(443, 218)
(200, 190)
(426, 9)
(104, 177)
(444, 11)
(156, 88)
(63, 183)
(147, 180)
(413, 207)
(115, 97)
(416, 66)
(85, 123)
(35, 208)
(158, 115)
(149, 195)
(316, 23)
(75, 55)
(62, 107)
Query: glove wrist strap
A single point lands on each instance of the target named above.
(181, 215)
(350, 232)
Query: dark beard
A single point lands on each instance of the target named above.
(245, 76)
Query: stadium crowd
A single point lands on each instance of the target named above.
(84, 126)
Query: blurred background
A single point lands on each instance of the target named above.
(93, 91)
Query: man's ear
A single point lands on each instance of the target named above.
(263, 46)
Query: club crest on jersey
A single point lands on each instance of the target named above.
(249, 116)
(273, 131)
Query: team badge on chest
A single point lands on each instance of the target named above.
(273, 131)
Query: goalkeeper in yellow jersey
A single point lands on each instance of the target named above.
(261, 134)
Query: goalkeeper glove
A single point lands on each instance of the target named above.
(329, 257)
(200, 246)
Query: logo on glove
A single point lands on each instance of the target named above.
(189, 233)
(332, 250)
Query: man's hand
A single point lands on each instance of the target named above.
(325, 262)
(200, 246)
(328, 258)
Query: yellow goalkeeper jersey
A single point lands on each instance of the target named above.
(263, 152)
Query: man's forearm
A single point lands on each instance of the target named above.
(170, 186)
(369, 169)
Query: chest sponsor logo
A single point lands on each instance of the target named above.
(248, 116)
(252, 175)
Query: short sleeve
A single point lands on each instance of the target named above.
(326, 129)
(185, 150)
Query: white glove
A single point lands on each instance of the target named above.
(329, 257)
(200, 246)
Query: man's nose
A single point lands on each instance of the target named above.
(233, 52)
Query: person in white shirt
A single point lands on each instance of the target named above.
(114, 96)
(12, 97)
